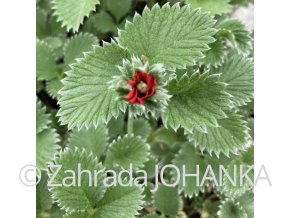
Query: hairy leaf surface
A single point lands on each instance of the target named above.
(86, 98)
(198, 101)
(174, 36)
(72, 13)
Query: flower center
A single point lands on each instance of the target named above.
(142, 87)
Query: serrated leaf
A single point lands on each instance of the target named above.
(86, 98)
(121, 202)
(92, 140)
(46, 67)
(127, 150)
(43, 199)
(247, 202)
(242, 185)
(53, 86)
(189, 158)
(166, 200)
(236, 32)
(211, 6)
(230, 209)
(198, 101)
(174, 36)
(118, 8)
(72, 13)
(238, 73)
(42, 119)
(229, 137)
(141, 128)
(76, 46)
(46, 147)
(77, 194)
(237, 189)
(216, 54)
(216, 162)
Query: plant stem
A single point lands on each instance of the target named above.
(130, 122)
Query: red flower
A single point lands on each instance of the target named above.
(143, 87)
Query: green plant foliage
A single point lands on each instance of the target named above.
(234, 170)
(211, 6)
(238, 73)
(230, 135)
(72, 13)
(231, 209)
(42, 119)
(104, 22)
(189, 157)
(143, 83)
(77, 194)
(43, 199)
(214, 56)
(75, 47)
(141, 128)
(86, 86)
(127, 150)
(160, 35)
(236, 32)
(166, 200)
(128, 200)
(46, 147)
(45, 61)
(198, 101)
(92, 140)
(118, 8)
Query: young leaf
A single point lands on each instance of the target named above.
(77, 191)
(72, 13)
(230, 135)
(189, 158)
(211, 6)
(86, 98)
(128, 150)
(46, 68)
(174, 36)
(166, 200)
(216, 54)
(236, 32)
(92, 140)
(42, 119)
(238, 73)
(198, 101)
(231, 209)
(74, 49)
(121, 202)
(46, 147)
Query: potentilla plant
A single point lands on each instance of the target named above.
(171, 93)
